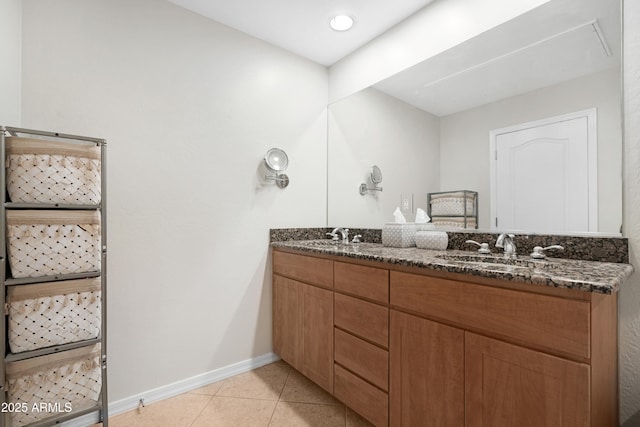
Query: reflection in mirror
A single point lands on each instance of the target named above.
(376, 178)
(429, 126)
(376, 175)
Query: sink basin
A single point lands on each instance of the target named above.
(330, 245)
(321, 243)
(489, 261)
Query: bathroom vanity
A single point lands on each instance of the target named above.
(409, 337)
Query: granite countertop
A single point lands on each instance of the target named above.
(589, 276)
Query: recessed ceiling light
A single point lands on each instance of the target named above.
(341, 22)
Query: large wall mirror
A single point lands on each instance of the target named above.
(429, 127)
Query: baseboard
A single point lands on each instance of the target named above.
(176, 388)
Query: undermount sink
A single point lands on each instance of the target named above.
(333, 245)
(323, 243)
(489, 260)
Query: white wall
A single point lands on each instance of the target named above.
(10, 46)
(629, 296)
(189, 108)
(465, 139)
(432, 30)
(372, 128)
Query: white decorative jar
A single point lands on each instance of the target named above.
(398, 235)
(432, 240)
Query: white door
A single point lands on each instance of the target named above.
(544, 175)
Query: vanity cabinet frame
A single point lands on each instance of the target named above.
(102, 404)
(442, 326)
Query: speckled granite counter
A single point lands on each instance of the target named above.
(589, 276)
(587, 248)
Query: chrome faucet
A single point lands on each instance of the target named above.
(343, 231)
(506, 242)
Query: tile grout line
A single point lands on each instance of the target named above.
(202, 410)
(345, 415)
(211, 397)
(246, 398)
(279, 396)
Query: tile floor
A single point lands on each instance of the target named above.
(274, 395)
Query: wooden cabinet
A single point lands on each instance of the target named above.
(364, 319)
(361, 319)
(368, 283)
(287, 321)
(530, 359)
(362, 358)
(427, 373)
(556, 324)
(367, 400)
(312, 270)
(443, 376)
(403, 348)
(303, 317)
(317, 336)
(507, 385)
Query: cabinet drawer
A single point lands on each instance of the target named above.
(362, 397)
(365, 359)
(550, 322)
(367, 282)
(367, 320)
(308, 269)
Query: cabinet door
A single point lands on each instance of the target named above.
(507, 385)
(317, 336)
(427, 373)
(287, 320)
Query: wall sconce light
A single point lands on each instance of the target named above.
(276, 161)
(376, 178)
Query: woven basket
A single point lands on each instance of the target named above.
(40, 171)
(53, 313)
(64, 382)
(452, 204)
(454, 222)
(44, 242)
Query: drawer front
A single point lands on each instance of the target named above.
(367, 320)
(362, 397)
(366, 282)
(307, 269)
(554, 323)
(365, 359)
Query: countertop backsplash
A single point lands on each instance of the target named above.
(587, 248)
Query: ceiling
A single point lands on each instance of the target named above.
(556, 42)
(302, 26)
(551, 44)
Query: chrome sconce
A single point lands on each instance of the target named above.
(376, 178)
(276, 161)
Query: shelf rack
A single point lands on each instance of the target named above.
(456, 212)
(101, 406)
